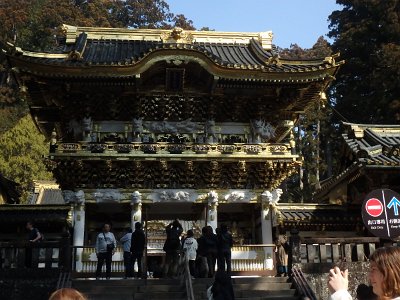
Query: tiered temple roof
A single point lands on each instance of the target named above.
(198, 96)
(368, 149)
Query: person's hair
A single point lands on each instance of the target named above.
(67, 294)
(104, 225)
(128, 230)
(189, 233)
(222, 287)
(204, 231)
(176, 223)
(138, 225)
(387, 260)
(30, 223)
(209, 229)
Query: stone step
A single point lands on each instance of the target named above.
(246, 288)
(276, 286)
(115, 296)
(265, 293)
(259, 279)
(159, 295)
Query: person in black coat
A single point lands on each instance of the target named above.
(225, 243)
(212, 250)
(138, 242)
(222, 288)
(172, 248)
(201, 262)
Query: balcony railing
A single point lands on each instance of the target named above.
(170, 148)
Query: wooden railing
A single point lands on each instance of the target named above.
(171, 148)
(302, 286)
(333, 250)
(311, 259)
(184, 274)
(46, 254)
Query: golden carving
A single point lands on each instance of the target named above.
(74, 56)
(274, 60)
(177, 35)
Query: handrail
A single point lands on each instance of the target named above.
(302, 285)
(186, 276)
(64, 280)
(342, 240)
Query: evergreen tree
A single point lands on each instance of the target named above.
(21, 152)
(316, 134)
(32, 24)
(367, 35)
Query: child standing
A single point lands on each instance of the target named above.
(190, 246)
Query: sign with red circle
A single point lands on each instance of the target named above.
(381, 213)
(374, 207)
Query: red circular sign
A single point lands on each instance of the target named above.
(374, 207)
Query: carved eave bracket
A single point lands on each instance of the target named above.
(177, 36)
(274, 60)
(74, 56)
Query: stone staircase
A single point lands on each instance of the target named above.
(246, 288)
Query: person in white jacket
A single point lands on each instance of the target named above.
(384, 276)
(190, 247)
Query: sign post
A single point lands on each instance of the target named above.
(381, 213)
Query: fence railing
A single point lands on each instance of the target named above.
(332, 250)
(45, 254)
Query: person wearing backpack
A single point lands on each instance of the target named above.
(225, 243)
(105, 249)
(172, 248)
(34, 237)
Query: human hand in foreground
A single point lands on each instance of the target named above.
(338, 280)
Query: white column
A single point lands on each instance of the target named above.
(212, 215)
(268, 200)
(266, 226)
(136, 212)
(79, 233)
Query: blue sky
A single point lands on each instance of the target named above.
(291, 21)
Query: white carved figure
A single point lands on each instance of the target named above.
(171, 196)
(212, 197)
(137, 128)
(87, 124)
(187, 126)
(68, 196)
(137, 125)
(210, 131)
(74, 197)
(53, 139)
(235, 196)
(136, 198)
(162, 127)
(276, 196)
(261, 130)
(266, 196)
(80, 197)
(107, 195)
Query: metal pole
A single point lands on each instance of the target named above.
(145, 249)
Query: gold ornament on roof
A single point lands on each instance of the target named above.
(74, 56)
(177, 35)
